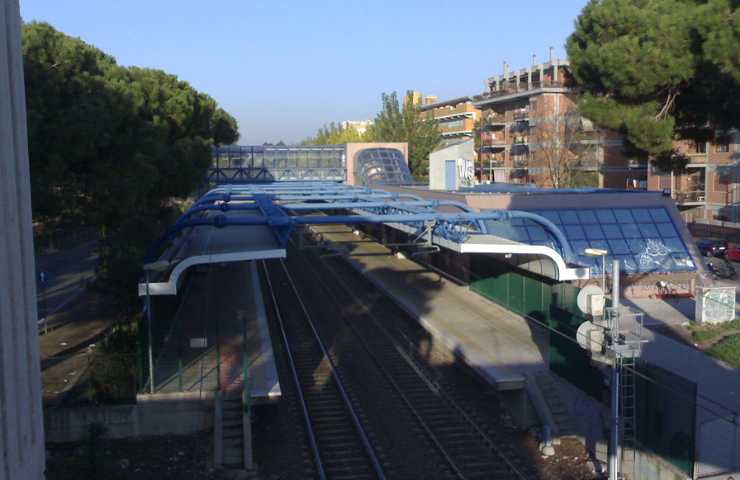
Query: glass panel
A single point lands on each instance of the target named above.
(660, 215)
(602, 244)
(627, 263)
(648, 230)
(569, 217)
(666, 230)
(630, 230)
(586, 216)
(618, 247)
(623, 216)
(550, 215)
(637, 245)
(593, 232)
(606, 216)
(537, 233)
(574, 232)
(641, 216)
(612, 231)
(674, 245)
(579, 246)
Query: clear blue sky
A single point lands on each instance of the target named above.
(284, 68)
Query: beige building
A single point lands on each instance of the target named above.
(360, 126)
(456, 118)
(531, 133)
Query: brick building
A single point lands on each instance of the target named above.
(531, 132)
(706, 192)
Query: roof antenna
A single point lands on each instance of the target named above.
(552, 54)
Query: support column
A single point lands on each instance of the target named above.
(21, 416)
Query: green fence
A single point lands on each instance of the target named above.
(545, 302)
(665, 416)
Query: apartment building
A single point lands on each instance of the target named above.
(531, 133)
(707, 191)
(456, 118)
(360, 126)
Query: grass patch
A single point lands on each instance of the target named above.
(703, 333)
(727, 350)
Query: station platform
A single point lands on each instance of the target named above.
(501, 346)
(221, 317)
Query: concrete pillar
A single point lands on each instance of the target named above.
(21, 421)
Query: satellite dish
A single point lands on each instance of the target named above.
(583, 299)
(590, 336)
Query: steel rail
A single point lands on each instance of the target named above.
(426, 380)
(340, 386)
(384, 371)
(294, 373)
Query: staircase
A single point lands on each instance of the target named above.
(559, 413)
(229, 431)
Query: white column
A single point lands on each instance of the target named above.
(21, 422)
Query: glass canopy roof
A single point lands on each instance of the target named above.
(643, 239)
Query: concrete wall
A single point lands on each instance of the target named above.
(152, 415)
(21, 432)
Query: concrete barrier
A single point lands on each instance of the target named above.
(152, 415)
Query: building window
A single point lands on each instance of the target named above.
(722, 146)
(700, 147)
(452, 124)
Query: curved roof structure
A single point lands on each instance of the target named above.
(253, 221)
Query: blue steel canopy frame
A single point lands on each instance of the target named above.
(276, 205)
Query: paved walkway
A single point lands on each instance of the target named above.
(224, 307)
(489, 338)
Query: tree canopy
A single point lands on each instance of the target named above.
(335, 134)
(394, 123)
(658, 69)
(112, 147)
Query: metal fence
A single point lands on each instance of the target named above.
(665, 420)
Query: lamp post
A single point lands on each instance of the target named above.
(151, 267)
(614, 383)
(599, 252)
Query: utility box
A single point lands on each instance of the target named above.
(452, 167)
(714, 304)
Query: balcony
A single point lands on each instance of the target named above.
(690, 196)
(523, 88)
(464, 110)
(494, 120)
(520, 162)
(521, 114)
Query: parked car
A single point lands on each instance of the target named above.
(732, 252)
(711, 248)
(721, 268)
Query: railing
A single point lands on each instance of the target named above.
(520, 162)
(458, 110)
(690, 196)
(521, 114)
(523, 87)
(494, 120)
(492, 140)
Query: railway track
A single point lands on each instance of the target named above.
(338, 440)
(463, 445)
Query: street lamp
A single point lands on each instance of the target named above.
(157, 266)
(599, 252)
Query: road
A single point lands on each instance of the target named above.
(67, 272)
